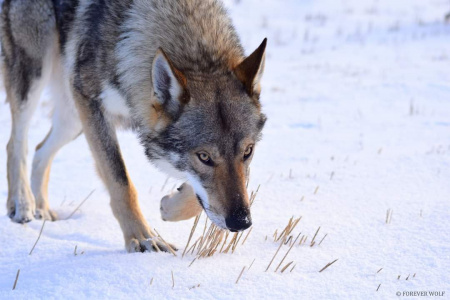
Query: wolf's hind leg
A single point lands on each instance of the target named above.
(27, 31)
(66, 126)
(181, 205)
(24, 80)
(20, 203)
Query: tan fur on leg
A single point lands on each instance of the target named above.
(181, 205)
(111, 168)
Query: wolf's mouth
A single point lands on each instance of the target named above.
(215, 218)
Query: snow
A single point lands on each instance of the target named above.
(356, 93)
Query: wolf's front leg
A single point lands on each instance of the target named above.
(181, 205)
(101, 136)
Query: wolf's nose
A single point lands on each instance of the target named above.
(238, 223)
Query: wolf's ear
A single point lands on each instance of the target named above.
(169, 84)
(250, 70)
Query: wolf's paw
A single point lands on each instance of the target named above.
(21, 215)
(181, 205)
(45, 214)
(20, 205)
(150, 245)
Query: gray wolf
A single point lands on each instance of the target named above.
(172, 71)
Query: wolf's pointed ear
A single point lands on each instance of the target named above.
(250, 70)
(169, 84)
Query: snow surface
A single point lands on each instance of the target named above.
(357, 89)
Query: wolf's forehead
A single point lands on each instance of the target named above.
(221, 123)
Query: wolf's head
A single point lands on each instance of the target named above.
(206, 130)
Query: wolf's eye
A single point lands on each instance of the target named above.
(204, 158)
(248, 152)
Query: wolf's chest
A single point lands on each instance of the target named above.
(114, 103)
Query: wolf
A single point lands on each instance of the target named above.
(174, 72)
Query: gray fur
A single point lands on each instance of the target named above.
(108, 48)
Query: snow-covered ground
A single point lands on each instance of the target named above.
(357, 95)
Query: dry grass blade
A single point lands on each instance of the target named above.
(82, 202)
(17, 278)
(213, 243)
(389, 216)
(195, 244)
(224, 242)
(251, 264)
(75, 251)
(240, 274)
(155, 245)
(236, 242)
(253, 195)
(167, 245)
(316, 190)
(247, 235)
(192, 262)
(379, 270)
(233, 240)
(328, 264)
(301, 240)
(323, 239)
(292, 268)
(192, 247)
(209, 242)
(62, 203)
(211, 249)
(151, 281)
(287, 252)
(173, 280)
(312, 241)
(283, 233)
(378, 287)
(270, 178)
(192, 233)
(281, 244)
(286, 266)
(289, 228)
(40, 232)
(289, 240)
